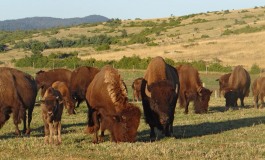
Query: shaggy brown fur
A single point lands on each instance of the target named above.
(18, 92)
(45, 79)
(67, 99)
(107, 96)
(80, 79)
(240, 82)
(258, 90)
(52, 109)
(136, 87)
(191, 89)
(223, 82)
(159, 91)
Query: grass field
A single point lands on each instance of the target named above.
(232, 134)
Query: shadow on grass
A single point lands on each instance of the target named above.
(207, 128)
(39, 131)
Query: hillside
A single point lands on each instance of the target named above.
(234, 37)
(47, 22)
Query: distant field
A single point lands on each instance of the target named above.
(233, 134)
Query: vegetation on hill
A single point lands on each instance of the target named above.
(222, 35)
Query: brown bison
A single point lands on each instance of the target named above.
(136, 87)
(18, 92)
(67, 99)
(191, 89)
(239, 82)
(52, 109)
(258, 90)
(223, 82)
(45, 79)
(107, 98)
(80, 79)
(159, 91)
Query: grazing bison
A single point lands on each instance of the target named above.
(80, 79)
(223, 82)
(52, 109)
(18, 92)
(136, 87)
(159, 91)
(45, 79)
(239, 82)
(67, 99)
(107, 98)
(191, 89)
(258, 90)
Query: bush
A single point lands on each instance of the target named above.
(255, 69)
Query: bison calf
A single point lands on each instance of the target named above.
(136, 87)
(258, 90)
(52, 109)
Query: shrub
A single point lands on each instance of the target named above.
(255, 69)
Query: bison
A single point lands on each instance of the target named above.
(67, 99)
(159, 91)
(239, 82)
(258, 90)
(191, 89)
(18, 91)
(52, 109)
(223, 82)
(45, 79)
(107, 98)
(136, 87)
(80, 79)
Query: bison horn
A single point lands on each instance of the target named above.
(147, 92)
(199, 91)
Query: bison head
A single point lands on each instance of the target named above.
(70, 106)
(231, 97)
(123, 127)
(163, 97)
(201, 103)
(50, 106)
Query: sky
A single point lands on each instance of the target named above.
(122, 9)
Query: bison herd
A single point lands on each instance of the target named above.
(106, 96)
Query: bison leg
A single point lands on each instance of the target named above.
(46, 133)
(51, 132)
(262, 100)
(96, 126)
(101, 137)
(152, 134)
(242, 100)
(16, 119)
(57, 133)
(24, 123)
(27, 130)
(256, 101)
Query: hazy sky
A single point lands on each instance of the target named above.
(122, 9)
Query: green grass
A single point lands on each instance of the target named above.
(232, 134)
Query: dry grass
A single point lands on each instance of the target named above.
(180, 42)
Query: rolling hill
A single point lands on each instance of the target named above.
(47, 22)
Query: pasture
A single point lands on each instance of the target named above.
(232, 134)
